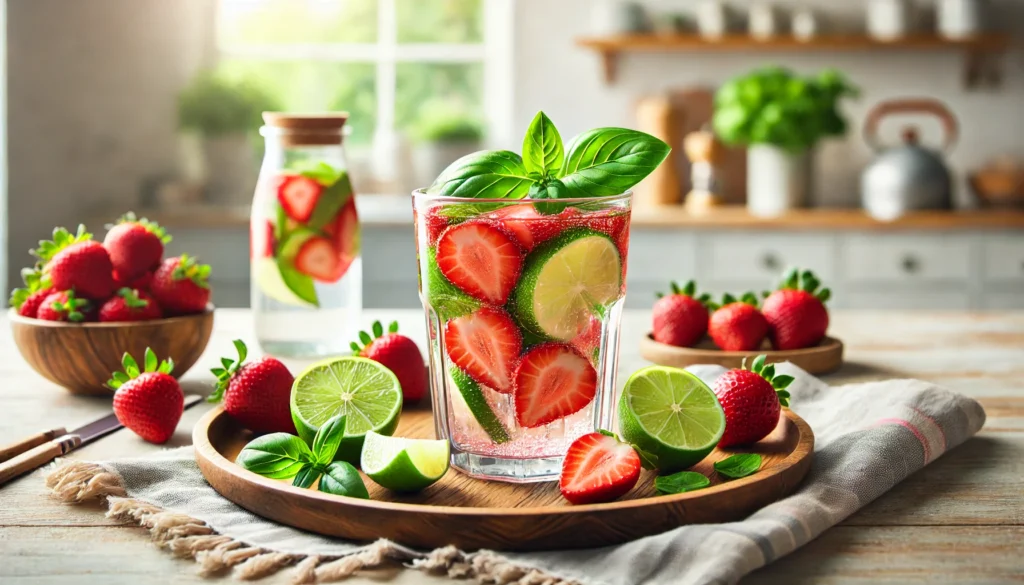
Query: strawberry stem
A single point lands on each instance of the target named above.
(151, 226)
(131, 298)
(225, 373)
(378, 331)
(62, 239)
(779, 383)
(132, 371)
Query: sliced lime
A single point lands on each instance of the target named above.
(366, 392)
(671, 415)
(447, 300)
(565, 281)
(478, 405)
(404, 465)
(283, 284)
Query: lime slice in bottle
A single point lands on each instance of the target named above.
(671, 415)
(366, 392)
(283, 284)
(478, 406)
(565, 281)
(404, 465)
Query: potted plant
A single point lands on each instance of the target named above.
(218, 117)
(780, 117)
(443, 135)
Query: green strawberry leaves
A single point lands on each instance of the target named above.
(805, 280)
(367, 339)
(131, 371)
(131, 298)
(690, 290)
(189, 268)
(35, 281)
(227, 371)
(739, 465)
(151, 226)
(779, 383)
(62, 239)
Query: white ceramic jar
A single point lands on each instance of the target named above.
(960, 19)
(712, 19)
(763, 21)
(888, 20)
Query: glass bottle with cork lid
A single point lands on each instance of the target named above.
(306, 273)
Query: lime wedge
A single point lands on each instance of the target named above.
(478, 406)
(671, 415)
(404, 465)
(447, 300)
(565, 281)
(366, 392)
(282, 284)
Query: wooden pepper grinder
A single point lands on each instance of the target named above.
(704, 152)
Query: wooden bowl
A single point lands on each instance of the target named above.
(82, 356)
(825, 357)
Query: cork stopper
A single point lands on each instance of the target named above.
(305, 129)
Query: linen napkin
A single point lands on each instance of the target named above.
(869, 437)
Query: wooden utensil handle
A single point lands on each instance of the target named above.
(37, 457)
(19, 447)
(911, 106)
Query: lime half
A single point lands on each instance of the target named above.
(672, 415)
(282, 284)
(565, 281)
(404, 465)
(366, 392)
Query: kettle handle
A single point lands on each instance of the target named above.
(911, 106)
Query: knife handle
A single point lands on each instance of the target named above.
(19, 447)
(37, 457)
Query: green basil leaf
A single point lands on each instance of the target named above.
(328, 438)
(277, 455)
(488, 174)
(677, 483)
(319, 171)
(740, 465)
(609, 161)
(306, 476)
(341, 479)
(543, 152)
(552, 189)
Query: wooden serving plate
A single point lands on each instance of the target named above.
(474, 514)
(826, 357)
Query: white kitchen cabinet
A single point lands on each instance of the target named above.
(750, 258)
(898, 259)
(1003, 260)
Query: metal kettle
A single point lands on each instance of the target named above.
(907, 177)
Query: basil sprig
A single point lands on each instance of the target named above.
(597, 163)
(285, 456)
(739, 465)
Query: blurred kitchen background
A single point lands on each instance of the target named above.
(153, 105)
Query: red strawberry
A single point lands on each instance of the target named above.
(261, 241)
(598, 468)
(136, 246)
(588, 341)
(738, 325)
(148, 402)
(74, 261)
(317, 257)
(64, 306)
(30, 306)
(796, 313)
(680, 318)
(485, 344)
(529, 226)
(37, 287)
(399, 354)
(138, 283)
(552, 381)
(480, 259)
(129, 305)
(751, 400)
(298, 196)
(612, 222)
(256, 394)
(181, 286)
(433, 222)
(344, 232)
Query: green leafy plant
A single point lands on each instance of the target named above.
(285, 456)
(597, 163)
(215, 104)
(775, 106)
(680, 482)
(739, 465)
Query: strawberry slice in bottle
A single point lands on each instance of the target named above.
(298, 196)
(485, 344)
(481, 259)
(344, 233)
(317, 257)
(553, 381)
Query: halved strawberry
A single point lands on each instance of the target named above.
(344, 231)
(261, 241)
(298, 196)
(480, 259)
(553, 380)
(318, 258)
(531, 227)
(485, 344)
(588, 341)
(598, 468)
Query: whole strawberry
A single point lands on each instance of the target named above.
(737, 325)
(74, 261)
(680, 318)
(64, 306)
(399, 354)
(796, 313)
(138, 283)
(136, 246)
(150, 401)
(256, 394)
(752, 401)
(129, 305)
(28, 300)
(181, 285)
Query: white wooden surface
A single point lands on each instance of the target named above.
(960, 520)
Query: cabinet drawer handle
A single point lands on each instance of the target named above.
(910, 264)
(771, 261)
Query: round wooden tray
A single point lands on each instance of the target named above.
(474, 514)
(826, 357)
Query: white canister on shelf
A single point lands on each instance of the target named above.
(960, 19)
(712, 18)
(805, 24)
(777, 180)
(763, 22)
(888, 20)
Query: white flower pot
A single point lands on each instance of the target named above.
(777, 180)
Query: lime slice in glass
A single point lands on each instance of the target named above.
(565, 281)
(404, 465)
(282, 284)
(671, 415)
(366, 392)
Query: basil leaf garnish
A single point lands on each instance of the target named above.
(677, 483)
(341, 479)
(609, 161)
(277, 455)
(550, 189)
(740, 465)
(306, 476)
(543, 152)
(328, 438)
(489, 174)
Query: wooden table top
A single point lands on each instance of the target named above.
(960, 520)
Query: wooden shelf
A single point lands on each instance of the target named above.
(981, 52)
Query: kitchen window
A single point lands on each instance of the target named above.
(399, 67)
